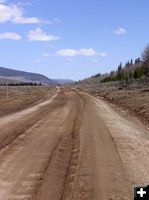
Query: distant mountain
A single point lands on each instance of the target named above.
(63, 81)
(21, 76)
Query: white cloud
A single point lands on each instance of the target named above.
(10, 35)
(15, 14)
(46, 55)
(87, 52)
(120, 31)
(27, 20)
(103, 54)
(39, 35)
(73, 52)
(82, 52)
(67, 52)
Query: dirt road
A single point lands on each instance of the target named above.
(72, 147)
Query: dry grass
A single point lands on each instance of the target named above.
(22, 97)
(135, 101)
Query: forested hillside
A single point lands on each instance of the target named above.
(127, 86)
(131, 70)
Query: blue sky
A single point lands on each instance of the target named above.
(71, 38)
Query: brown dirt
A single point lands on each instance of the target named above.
(79, 149)
(22, 97)
(136, 102)
(133, 100)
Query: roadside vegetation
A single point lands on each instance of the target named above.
(126, 87)
(137, 69)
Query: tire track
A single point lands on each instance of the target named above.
(20, 177)
(80, 179)
(9, 132)
(72, 153)
(74, 164)
(63, 164)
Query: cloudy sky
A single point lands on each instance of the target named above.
(71, 38)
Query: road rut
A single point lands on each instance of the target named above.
(73, 147)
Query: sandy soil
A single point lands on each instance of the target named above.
(78, 149)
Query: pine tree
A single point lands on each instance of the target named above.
(145, 58)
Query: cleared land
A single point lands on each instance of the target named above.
(133, 99)
(78, 149)
(22, 97)
(136, 102)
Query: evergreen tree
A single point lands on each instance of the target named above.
(131, 62)
(138, 72)
(145, 58)
(119, 72)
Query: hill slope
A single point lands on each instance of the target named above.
(63, 81)
(21, 76)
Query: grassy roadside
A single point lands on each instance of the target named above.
(22, 97)
(133, 100)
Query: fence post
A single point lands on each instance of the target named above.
(7, 90)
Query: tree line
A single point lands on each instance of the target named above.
(130, 70)
(21, 84)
